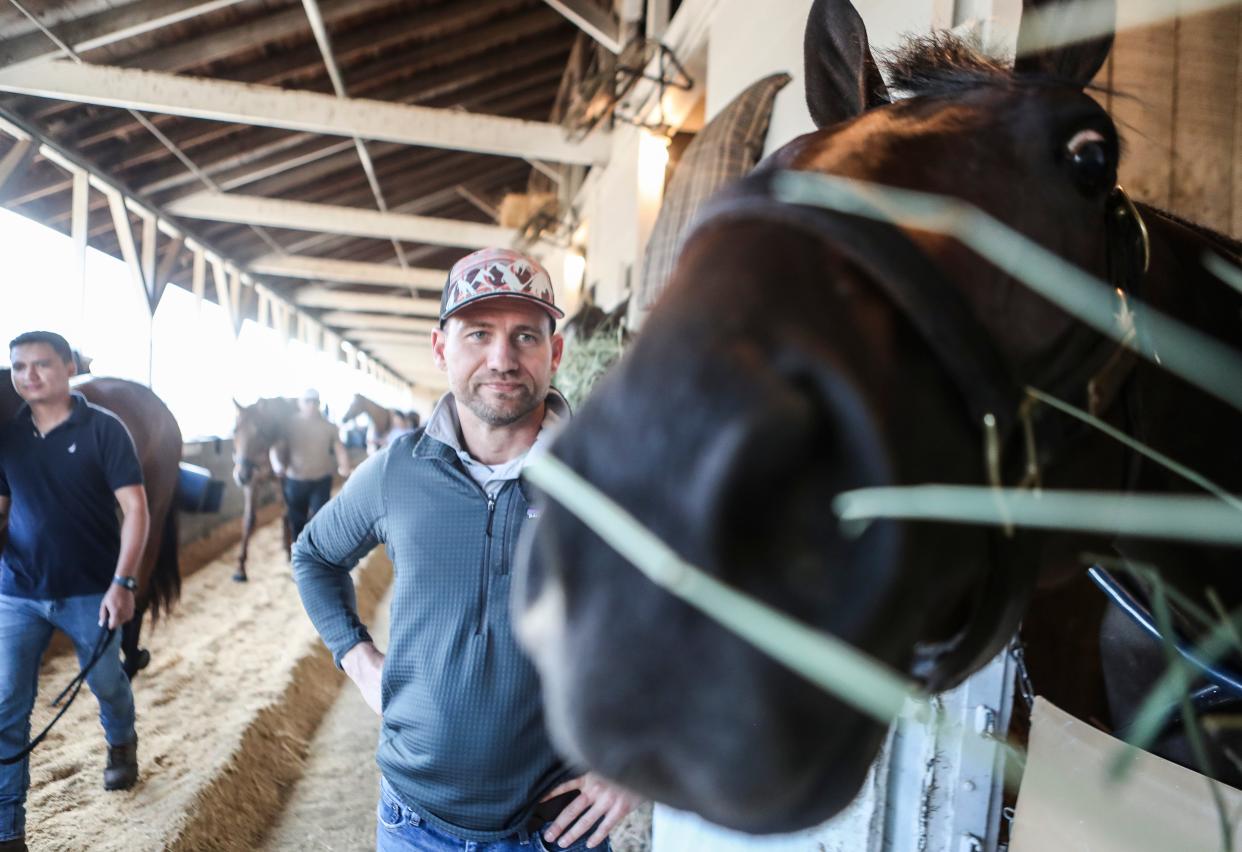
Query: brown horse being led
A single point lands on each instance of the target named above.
(258, 428)
(797, 354)
(157, 439)
(383, 420)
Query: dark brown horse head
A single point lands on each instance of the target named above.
(256, 429)
(777, 372)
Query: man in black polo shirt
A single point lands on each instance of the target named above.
(67, 563)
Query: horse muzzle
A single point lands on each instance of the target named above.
(648, 690)
(243, 472)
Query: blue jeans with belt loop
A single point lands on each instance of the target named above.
(25, 629)
(398, 828)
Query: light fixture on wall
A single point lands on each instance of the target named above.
(572, 273)
(652, 163)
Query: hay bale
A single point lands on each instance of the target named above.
(519, 208)
(587, 358)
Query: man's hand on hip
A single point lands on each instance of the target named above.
(117, 607)
(597, 801)
(364, 663)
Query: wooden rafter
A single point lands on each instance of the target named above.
(334, 219)
(327, 298)
(222, 100)
(344, 271)
(347, 319)
(428, 62)
(228, 150)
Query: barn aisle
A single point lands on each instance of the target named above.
(332, 806)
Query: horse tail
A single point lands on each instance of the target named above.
(165, 587)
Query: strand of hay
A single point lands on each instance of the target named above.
(244, 799)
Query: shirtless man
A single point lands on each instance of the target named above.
(304, 461)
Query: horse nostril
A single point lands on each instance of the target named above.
(751, 464)
(766, 490)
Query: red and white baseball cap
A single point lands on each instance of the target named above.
(494, 272)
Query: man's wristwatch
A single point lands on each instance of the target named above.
(126, 582)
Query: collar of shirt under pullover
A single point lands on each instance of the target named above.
(444, 426)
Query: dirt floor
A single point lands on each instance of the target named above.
(238, 683)
(332, 806)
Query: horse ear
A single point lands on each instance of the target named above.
(240, 407)
(842, 79)
(1047, 27)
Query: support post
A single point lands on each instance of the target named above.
(78, 230)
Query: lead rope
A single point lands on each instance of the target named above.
(72, 690)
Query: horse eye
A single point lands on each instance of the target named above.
(1090, 160)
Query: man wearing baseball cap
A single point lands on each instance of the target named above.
(465, 760)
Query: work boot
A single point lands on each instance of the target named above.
(15, 844)
(121, 773)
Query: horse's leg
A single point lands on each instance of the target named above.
(136, 658)
(247, 529)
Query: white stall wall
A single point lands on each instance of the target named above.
(747, 40)
(750, 40)
(611, 214)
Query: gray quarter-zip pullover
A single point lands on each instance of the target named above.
(463, 740)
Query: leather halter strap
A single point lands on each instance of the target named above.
(1093, 370)
(892, 262)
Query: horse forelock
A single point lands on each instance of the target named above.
(943, 63)
(946, 63)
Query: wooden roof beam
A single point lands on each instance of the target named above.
(348, 319)
(222, 100)
(350, 272)
(326, 297)
(398, 337)
(334, 219)
(425, 74)
(422, 203)
(176, 174)
(293, 65)
(407, 174)
(248, 146)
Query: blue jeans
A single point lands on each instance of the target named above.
(399, 829)
(25, 630)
